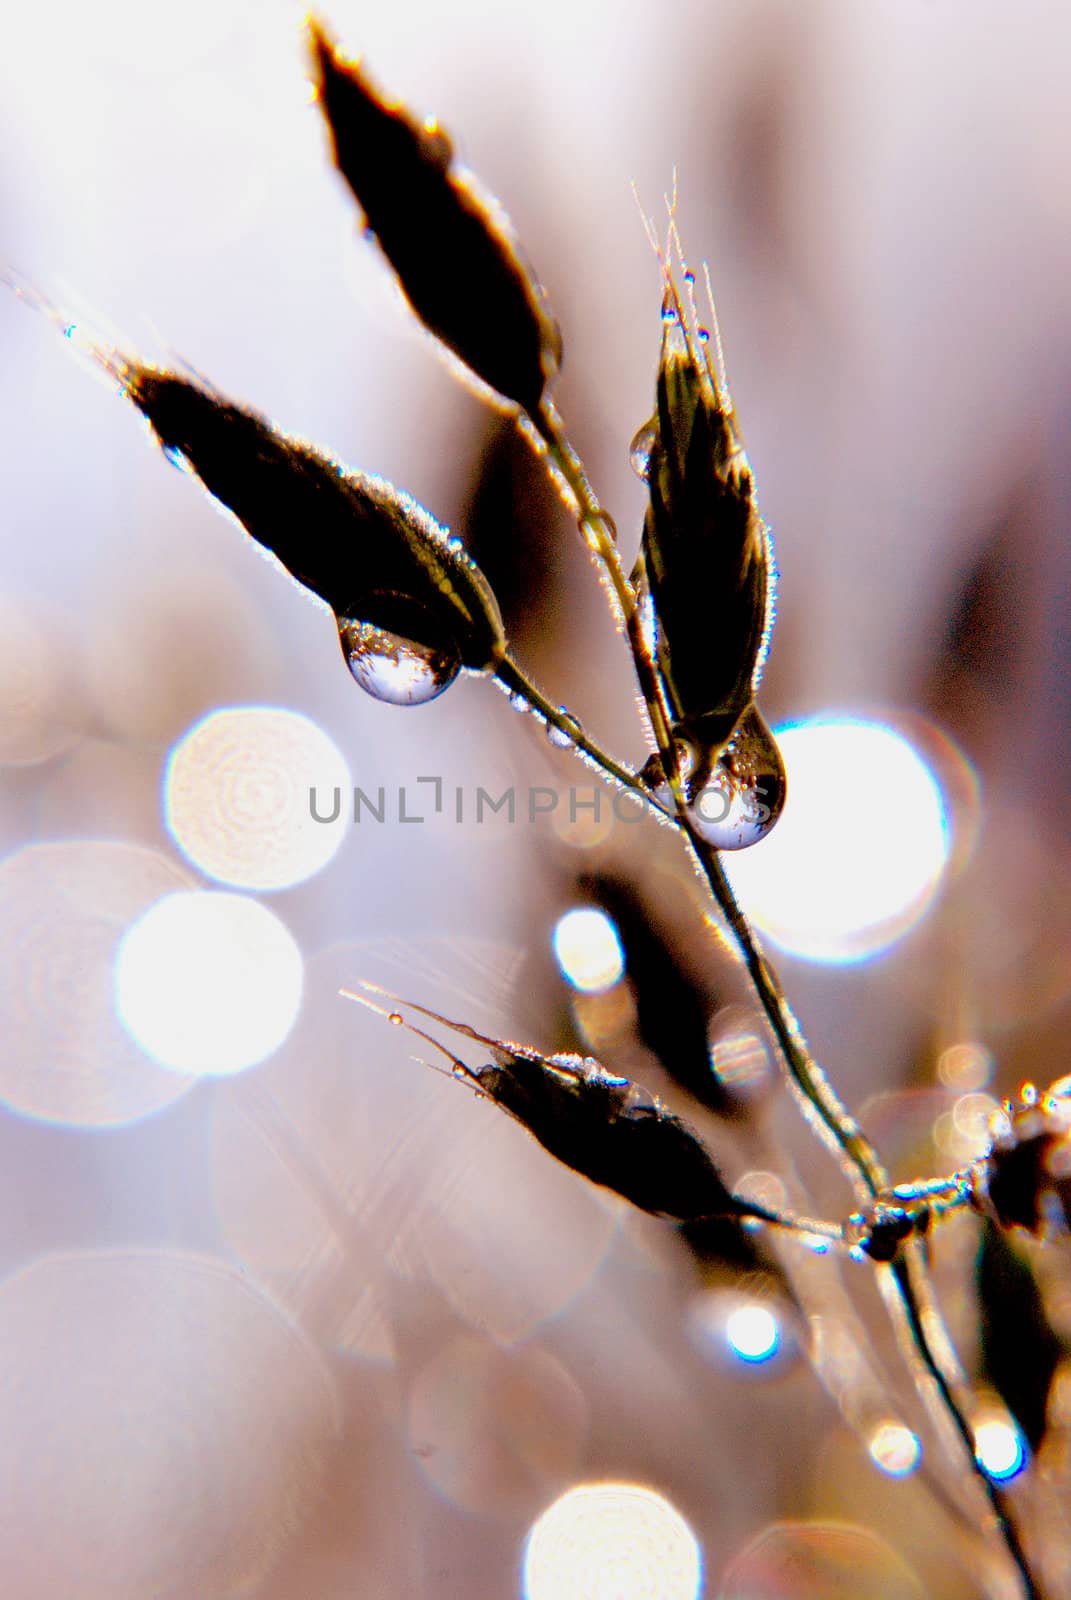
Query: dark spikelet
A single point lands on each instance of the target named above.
(1019, 1348)
(354, 540)
(604, 1127)
(1025, 1180)
(611, 1131)
(705, 556)
(454, 253)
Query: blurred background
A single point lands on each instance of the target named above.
(283, 1311)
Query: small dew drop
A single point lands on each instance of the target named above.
(403, 657)
(704, 335)
(518, 701)
(639, 452)
(560, 738)
(651, 775)
(396, 1018)
(177, 458)
(669, 314)
(689, 275)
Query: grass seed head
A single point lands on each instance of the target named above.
(451, 246)
(412, 607)
(705, 557)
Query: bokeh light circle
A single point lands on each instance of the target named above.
(496, 1430)
(895, 1449)
(208, 982)
(753, 1333)
(164, 1428)
(588, 949)
(65, 907)
(612, 1541)
(999, 1449)
(40, 710)
(819, 1561)
(257, 796)
(860, 851)
(748, 1334)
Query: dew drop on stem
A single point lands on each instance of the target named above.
(177, 458)
(744, 794)
(559, 737)
(639, 454)
(404, 656)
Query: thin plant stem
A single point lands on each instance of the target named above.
(920, 1329)
(600, 535)
(515, 681)
(842, 1131)
(389, 1005)
(837, 1124)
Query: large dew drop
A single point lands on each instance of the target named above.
(404, 657)
(745, 793)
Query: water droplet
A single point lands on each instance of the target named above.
(399, 652)
(704, 335)
(652, 776)
(518, 701)
(689, 275)
(177, 458)
(669, 313)
(559, 738)
(639, 451)
(745, 793)
(396, 1018)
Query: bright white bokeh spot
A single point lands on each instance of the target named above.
(859, 853)
(895, 1449)
(237, 791)
(588, 949)
(999, 1448)
(753, 1334)
(743, 1334)
(208, 983)
(611, 1541)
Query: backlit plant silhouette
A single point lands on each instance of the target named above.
(695, 612)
